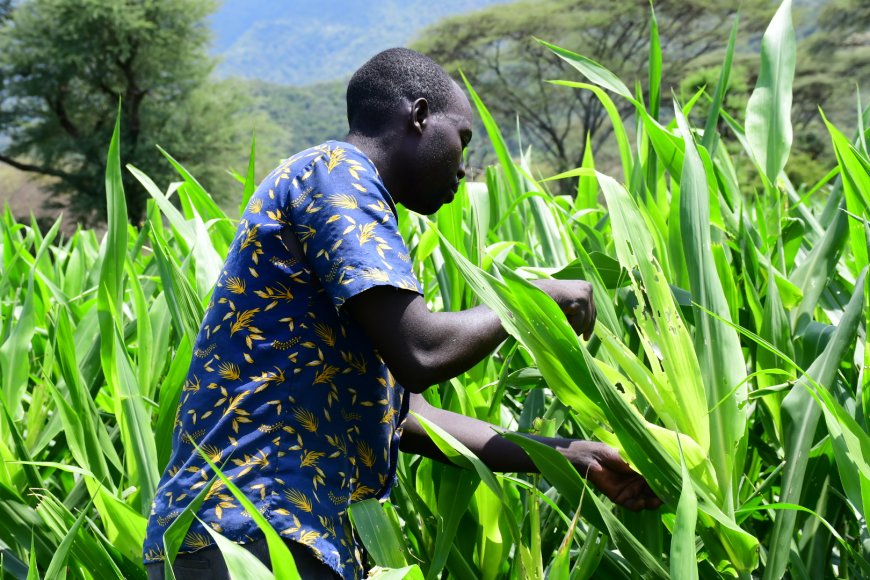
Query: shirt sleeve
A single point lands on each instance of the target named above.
(343, 218)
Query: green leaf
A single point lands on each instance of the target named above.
(173, 537)
(587, 186)
(799, 508)
(710, 138)
(32, 570)
(498, 142)
(250, 178)
(114, 254)
(615, 117)
(205, 205)
(768, 112)
(15, 354)
(559, 471)
(463, 457)
(170, 394)
(455, 494)
(57, 566)
(241, 563)
(279, 554)
(144, 336)
(187, 311)
(412, 572)
(134, 421)
(655, 64)
(377, 534)
(856, 190)
(537, 322)
(681, 401)
(717, 345)
(684, 561)
(459, 453)
(84, 549)
(591, 70)
(811, 275)
(775, 328)
(800, 416)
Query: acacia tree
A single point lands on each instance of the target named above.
(496, 49)
(838, 49)
(64, 64)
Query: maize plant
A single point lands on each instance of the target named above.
(727, 366)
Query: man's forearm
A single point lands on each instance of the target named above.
(480, 437)
(596, 462)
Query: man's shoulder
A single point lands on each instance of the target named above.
(334, 171)
(330, 155)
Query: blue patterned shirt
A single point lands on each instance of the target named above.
(284, 389)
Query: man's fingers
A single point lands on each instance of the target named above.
(593, 316)
(582, 320)
(633, 504)
(635, 495)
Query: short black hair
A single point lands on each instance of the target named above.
(391, 78)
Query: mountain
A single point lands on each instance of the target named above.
(299, 43)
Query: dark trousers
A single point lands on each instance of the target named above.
(208, 563)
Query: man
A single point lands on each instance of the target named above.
(317, 328)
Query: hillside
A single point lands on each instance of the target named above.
(301, 43)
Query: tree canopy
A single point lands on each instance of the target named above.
(497, 50)
(64, 65)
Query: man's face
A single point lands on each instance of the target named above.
(434, 160)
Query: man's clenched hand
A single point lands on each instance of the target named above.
(605, 469)
(574, 297)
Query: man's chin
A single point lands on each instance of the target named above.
(425, 210)
(428, 212)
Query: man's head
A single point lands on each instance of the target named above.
(416, 122)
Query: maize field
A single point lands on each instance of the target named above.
(727, 365)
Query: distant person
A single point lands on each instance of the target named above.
(318, 340)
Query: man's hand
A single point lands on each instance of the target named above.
(574, 297)
(606, 470)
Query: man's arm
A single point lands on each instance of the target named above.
(597, 462)
(422, 348)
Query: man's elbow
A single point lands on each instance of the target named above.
(415, 387)
(415, 372)
(413, 380)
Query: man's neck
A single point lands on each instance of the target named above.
(377, 148)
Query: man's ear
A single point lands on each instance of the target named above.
(419, 114)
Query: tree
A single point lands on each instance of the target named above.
(495, 48)
(64, 64)
(834, 62)
(306, 114)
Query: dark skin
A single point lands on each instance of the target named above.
(418, 154)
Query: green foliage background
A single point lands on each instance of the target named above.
(728, 363)
(66, 64)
